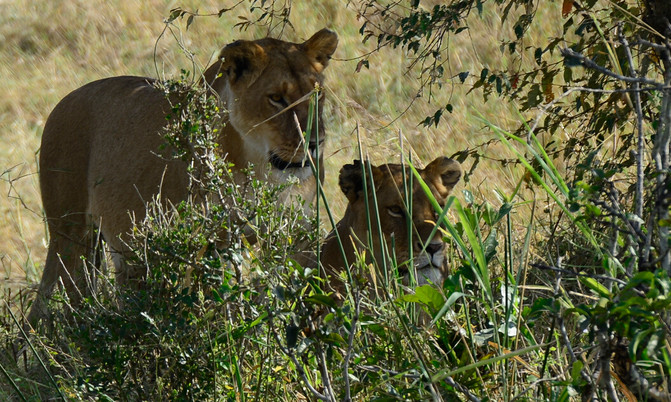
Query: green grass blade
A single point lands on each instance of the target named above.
(551, 171)
(13, 384)
(32, 348)
(449, 373)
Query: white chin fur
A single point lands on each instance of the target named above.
(425, 276)
(423, 260)
(282, 176)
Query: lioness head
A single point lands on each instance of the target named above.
(265, 85)
(407, 218)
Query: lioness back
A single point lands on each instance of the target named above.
(100, 158)
(99, 155)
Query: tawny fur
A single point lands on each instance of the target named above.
(99, 159)
(441, 175)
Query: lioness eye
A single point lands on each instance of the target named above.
(277, 99)
(395, 211)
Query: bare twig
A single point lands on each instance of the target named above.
(299, 367)
(461, 389)
(350, 343)
(640, 139)
(603, 374)
(587, 63)
(573, 273)
(326, 378)
(660, 154)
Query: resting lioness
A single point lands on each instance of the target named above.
(388, 181)
(99, 155)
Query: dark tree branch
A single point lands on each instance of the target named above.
(587, 63)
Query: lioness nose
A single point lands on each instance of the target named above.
(433, 247)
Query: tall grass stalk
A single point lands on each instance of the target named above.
(25, 338)
(13, 383)
(551, 171)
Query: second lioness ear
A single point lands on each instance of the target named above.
(243, 60)
(444, 173)
(350, 180)
(320, 47)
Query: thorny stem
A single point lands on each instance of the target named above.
(661, 158)
(326, 378)
(660, 150)
(569, 348)
(300, 369)
(587, 63)
(640, 141)
(603, 374)
(350, 343)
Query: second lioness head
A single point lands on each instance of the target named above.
(391, 196)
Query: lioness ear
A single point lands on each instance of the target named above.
(350, 180)
(444, 173)
(320, 48)
(242, 60)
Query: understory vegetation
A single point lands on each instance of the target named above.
(559, 285)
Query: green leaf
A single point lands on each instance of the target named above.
(174, 14)
(468, 196)
(292, 335)
(454, 296)
(576, 370)
(538, 307)
(427, 295)
(483, 74)
(504, 210)
(489, 246)
(322, 299)
(595, 286)
(463, 75)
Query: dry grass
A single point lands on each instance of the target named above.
(49, 49)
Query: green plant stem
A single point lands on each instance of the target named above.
(451, 373)
(11, 381)
(32, 348)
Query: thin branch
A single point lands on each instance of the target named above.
(350, 343)
(461, 389)
(604, 377)
(655, 46)
(573, 273)
(640, 149)
(326, 379)
(660, 154)
(587, 63)
(299, 367)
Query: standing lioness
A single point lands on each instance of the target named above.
(99, 161)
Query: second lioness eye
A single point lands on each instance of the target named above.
(277, 99)
(395, 211)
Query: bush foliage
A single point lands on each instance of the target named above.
(560, 302)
